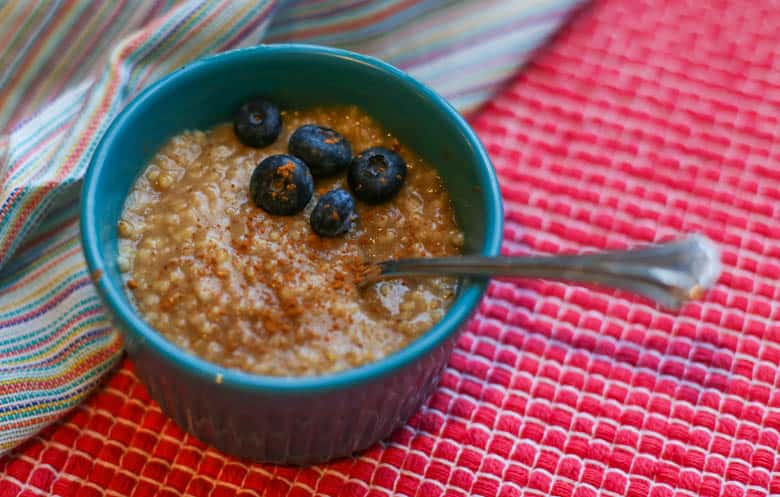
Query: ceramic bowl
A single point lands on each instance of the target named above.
(272, 419)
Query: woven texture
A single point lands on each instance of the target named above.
(66, 68)
(645, 119)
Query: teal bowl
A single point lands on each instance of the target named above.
(272, 419)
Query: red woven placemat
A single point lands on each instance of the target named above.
(644, 119)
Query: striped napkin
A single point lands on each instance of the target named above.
(67, 68)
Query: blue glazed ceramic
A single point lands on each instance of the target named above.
(287, 420)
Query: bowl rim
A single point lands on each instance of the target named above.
(116, 300)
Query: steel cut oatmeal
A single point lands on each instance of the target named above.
(264, 293)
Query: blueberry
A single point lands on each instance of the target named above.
(376, 175)
(257, 123)
(324, 150)
(333, 214)
(281, 184)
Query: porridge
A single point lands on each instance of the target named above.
(274, 293)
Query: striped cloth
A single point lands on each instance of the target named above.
(67, 67)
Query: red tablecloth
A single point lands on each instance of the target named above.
(644, 119)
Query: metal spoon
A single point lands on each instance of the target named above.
(668, 273)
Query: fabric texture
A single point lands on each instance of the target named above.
(66, 68)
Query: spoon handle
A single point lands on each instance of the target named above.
(669, 273)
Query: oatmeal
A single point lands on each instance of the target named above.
(264, 293)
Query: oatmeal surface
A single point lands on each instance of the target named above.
(240, 287)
